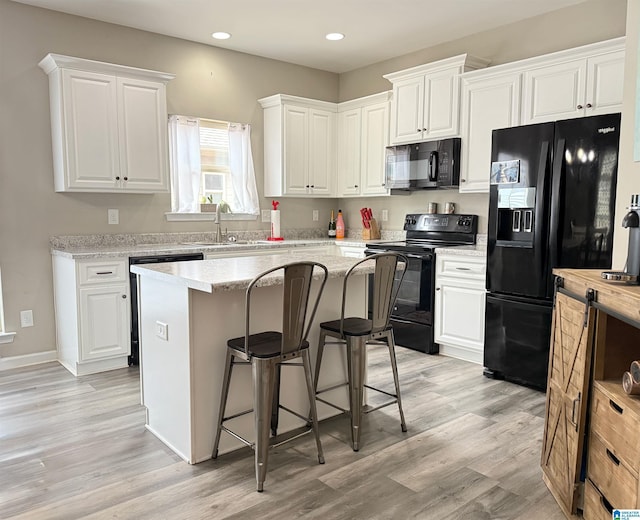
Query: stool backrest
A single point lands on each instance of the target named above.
(296, 295)
(383, 291)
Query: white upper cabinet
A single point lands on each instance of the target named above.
(578, 86)
(108, 126)
(488, 102)
(425, 101)
(299, 147)
(363, 134)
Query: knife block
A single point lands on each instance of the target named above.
(373, 233)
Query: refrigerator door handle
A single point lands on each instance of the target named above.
(556, 200)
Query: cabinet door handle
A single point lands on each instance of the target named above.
(118, 177)
(313, 185)
(437, 288)
(613, 458)
(463, 269)
(356, 186)
(463, 180)
(576, 401)
(104, 272)
(424, 129)
(616, 407)
(126, 178)
(124, 296)
(579, 107)
(589, 105)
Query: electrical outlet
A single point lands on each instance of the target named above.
(162, 330)
(385, 215)
(113, 216)
(26, 318)
(266, 215)
(315, 215)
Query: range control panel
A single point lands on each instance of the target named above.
(444, 222)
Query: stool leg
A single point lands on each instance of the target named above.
(394, 368)
(263, 379)
(228, 367)
(356, 355)
(321, 340)
(306, 363)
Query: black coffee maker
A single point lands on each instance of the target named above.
(631, 221)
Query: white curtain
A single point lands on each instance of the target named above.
(184, 162)
(241, 166)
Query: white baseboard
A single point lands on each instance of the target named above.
(7, 363)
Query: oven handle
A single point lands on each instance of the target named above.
(426, 256)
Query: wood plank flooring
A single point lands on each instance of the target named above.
(77, 448)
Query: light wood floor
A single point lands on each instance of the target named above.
(77, 448)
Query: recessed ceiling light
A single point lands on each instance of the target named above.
(334, 36)
(221, 35)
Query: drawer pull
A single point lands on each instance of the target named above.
(576, 401)
(463, 269)
(613, 458)
(605, 503)
(104, 272)
(616, 407)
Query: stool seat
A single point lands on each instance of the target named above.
(262, 345)
(350, 326)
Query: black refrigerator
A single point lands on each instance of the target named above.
(551, 204)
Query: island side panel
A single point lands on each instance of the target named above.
(164, 364)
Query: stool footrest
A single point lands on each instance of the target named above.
(381, 391)
(236, 436)
(236, 415)
(368, 408)
(343, 410)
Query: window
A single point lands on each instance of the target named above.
(211, 162)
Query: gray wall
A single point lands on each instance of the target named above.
(210, 82)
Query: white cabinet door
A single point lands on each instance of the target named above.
(605, 79)
(459, 317)
(322, 153)
(295, 150)
(104, 322)
(554, 92)
(441, 106)
(407, 110)
(487, 103)
(142, 124)
(349, 152)
(375, 138)
(89, 140)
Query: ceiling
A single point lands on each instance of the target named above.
(294, 30)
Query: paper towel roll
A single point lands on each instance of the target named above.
(275, 223)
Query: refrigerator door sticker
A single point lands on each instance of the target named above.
(505, 172)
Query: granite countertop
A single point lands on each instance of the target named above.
(232, 274)
(474, 250)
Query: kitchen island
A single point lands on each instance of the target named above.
(188, 311)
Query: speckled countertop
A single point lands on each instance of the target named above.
(478, 249)
(232, 274)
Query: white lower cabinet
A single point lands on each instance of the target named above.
(92, 314)
(459, 306)
(351, 251)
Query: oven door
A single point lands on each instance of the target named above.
(412, 314)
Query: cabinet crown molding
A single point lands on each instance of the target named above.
(466, 62)
(365, 101)
(281, 99)
(52, 62)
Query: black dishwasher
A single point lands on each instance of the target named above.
(134, 358)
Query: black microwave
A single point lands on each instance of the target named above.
(427, 165)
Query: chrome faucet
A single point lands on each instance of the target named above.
(218, 230)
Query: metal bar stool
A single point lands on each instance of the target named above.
(355, 333)
(266, 352)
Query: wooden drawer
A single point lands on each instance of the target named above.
(613, 418)
(461, 266)
(610, 475)
(91, 273)
(596, 507)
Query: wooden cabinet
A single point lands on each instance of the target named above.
(489, 101)
(425, 101)
(575, 88)
(299, 147)
(108, 125)
(591, 445)
(363, 134)
(92, 314)
(460, 292)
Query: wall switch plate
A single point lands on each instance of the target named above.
(26, 318)
(385, 215)
(113, 216)
(162, 330)
(266, 215)
(315, 215)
